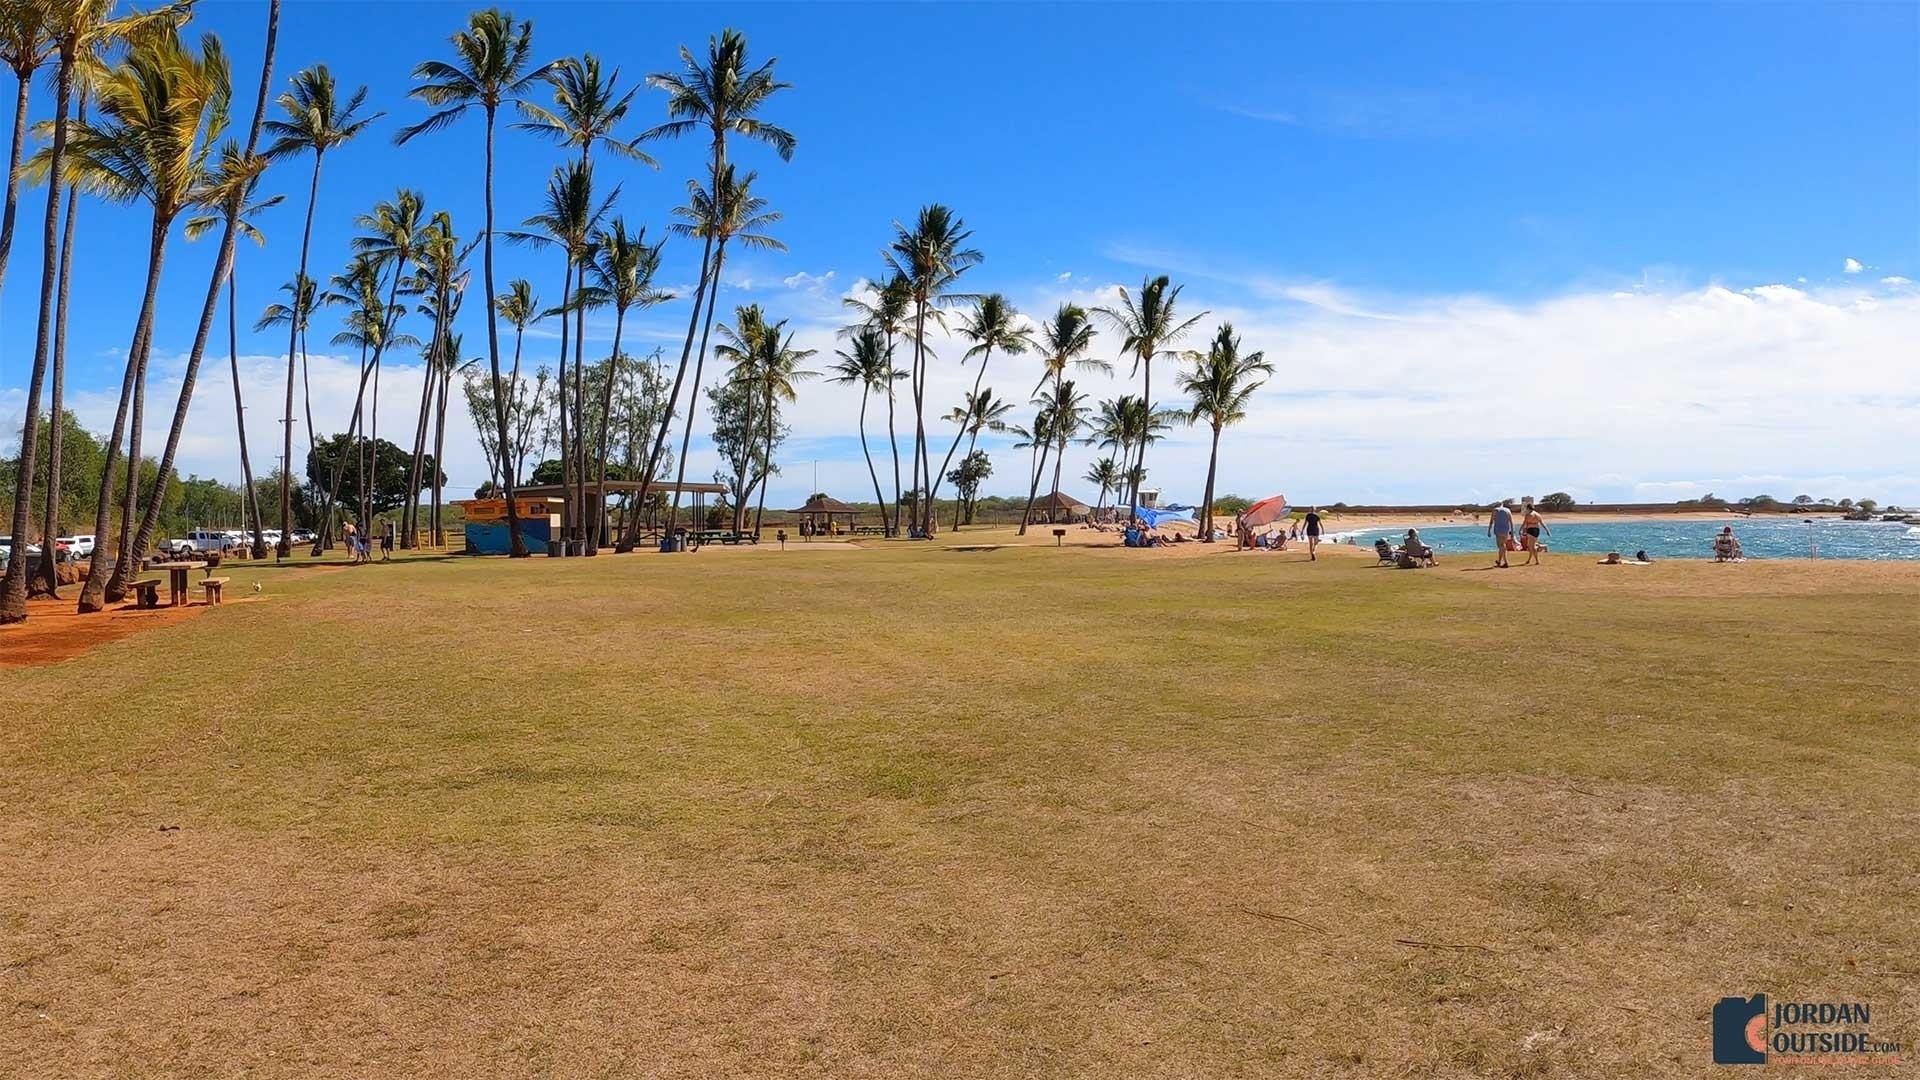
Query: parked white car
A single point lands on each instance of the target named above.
(79, 547)
(6, 550)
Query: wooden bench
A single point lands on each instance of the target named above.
(213, 585)
(146, 593)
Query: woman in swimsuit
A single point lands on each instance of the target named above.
(1533, 525)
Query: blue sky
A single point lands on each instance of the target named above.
(1623, 250)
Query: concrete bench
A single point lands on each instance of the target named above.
(213, 586)
(146, 593)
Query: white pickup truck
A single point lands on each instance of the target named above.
(199, 541)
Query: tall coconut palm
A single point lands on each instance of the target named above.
(720, 97)
(48, 581)
(396, 232)
(235, 169)
(1106, 474)
(887, 313)
(568, 220)
(1149, 328)
(303, 294)
(442, 279)
(161, 111)
(587, 107)
(622, 270)
(1064, 341)
(726, 213)
(982, 412)
(777, 372)
(78, 30)
(931, 257)
(316, 122)
(494, 65)
(228, 189)
(1065, 410)
(521, 308)
(1220, 382)
(869, 367)
(993, 323)
(745, 346)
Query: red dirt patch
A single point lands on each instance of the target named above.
(54, 631)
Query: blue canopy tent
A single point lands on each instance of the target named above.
(1165, 515)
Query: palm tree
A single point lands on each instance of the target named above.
(745, 346)
(443, 279)
(521, 308)
(1148, 328)
(868, 366)
(720, 96)
(494, 65)
(991, 324)
(728, 212)
(228, 189)
(395, 235)
(77, 30)
(299, 315)
(163, 109)
(1220, 383)
(622, 268)
(776, 372)
(1107, 475)
(931, 258)
(1064, 341)
(239, 213)
(1065, 410)
(586, 108)
(1122, 425)
(317, 122)
(887, 313)
(982, 412)
(49, 579)
(568, 221)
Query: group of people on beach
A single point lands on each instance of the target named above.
(1532, 528)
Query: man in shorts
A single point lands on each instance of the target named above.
(1313, 532)
(1500, 527)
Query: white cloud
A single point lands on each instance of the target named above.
(1896, 281)
(1852, 266)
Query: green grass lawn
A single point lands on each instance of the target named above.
(912, 811)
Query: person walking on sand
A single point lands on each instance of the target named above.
(1500, 527)
(1533, 526)
(1313, 533)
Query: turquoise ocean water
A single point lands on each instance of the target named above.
(1769, 538)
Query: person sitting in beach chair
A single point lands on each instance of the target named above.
(1384, 550)
(1726, 548)
(1414, 548)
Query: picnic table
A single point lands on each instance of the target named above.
(177, 579)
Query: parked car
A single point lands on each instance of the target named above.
(206, 540)
(303, 536)
(6, 549)
(79, 547)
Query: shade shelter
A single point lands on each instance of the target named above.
(821, 510)
(1056, 506)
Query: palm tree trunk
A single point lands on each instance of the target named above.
(673, 399)
(439, 532)
(223, 266)
(285, 547)
(13, 180)
(766, 462)
(893, 527)
(744, 482)
(566, 458)
(600, 534)
(878, 499)
(1146, 404)
(922, 505)
(93, 593)
(517, 544)
(1206, 514)
(410, 516)
(1033, 489)
(1059, 459)
(13, 588)
(693, 396)
(972, 399)
(508, 463)
(56, 409)
(249, 497)
(373, 452)
(580, 417)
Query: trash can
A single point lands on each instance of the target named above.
(553, 549)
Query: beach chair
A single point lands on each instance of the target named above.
(1385, 551)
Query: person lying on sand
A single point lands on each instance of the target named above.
(1612, 559)
(1641, 556)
